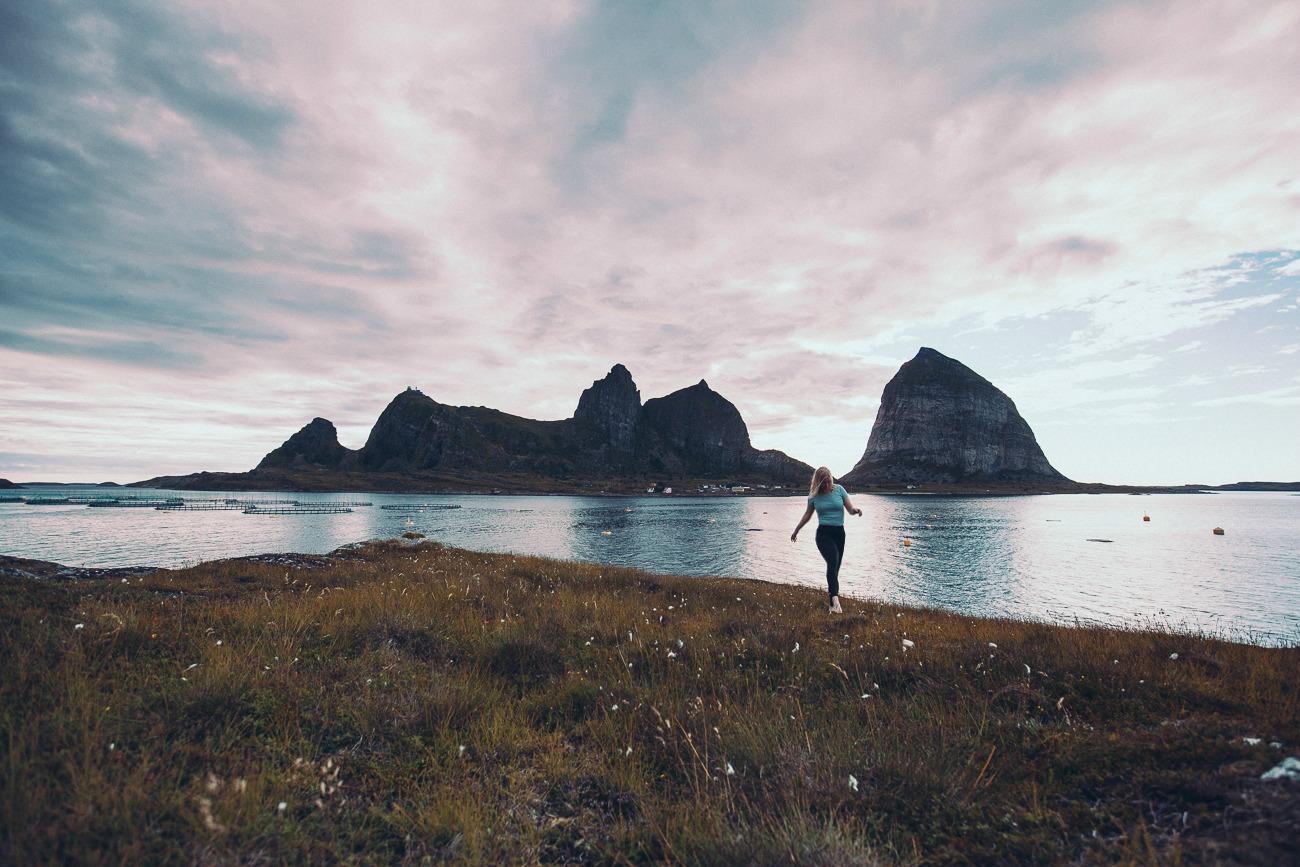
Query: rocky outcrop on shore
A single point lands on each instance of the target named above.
(317, 443)
(942, 423)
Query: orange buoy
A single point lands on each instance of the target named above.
(1218, 531)
(1146, 517)
(907, 543)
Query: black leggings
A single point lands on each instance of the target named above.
(830, 541)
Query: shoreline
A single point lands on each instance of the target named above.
(971, 491)
(25, 568)
(313, 707)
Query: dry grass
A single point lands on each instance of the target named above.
(417, 704)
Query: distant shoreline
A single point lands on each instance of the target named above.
(223, 482)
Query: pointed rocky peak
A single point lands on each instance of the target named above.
(316, 444)
(609, 410)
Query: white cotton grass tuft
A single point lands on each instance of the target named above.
(80, 626)
(853, 782)
(731, 772)
(1287, 769)
(1173, 656)
(992, 645)
(281, 807)
(908, 644)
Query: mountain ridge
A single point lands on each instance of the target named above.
(612, 440)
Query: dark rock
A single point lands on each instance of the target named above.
(694, 433)
(316, 444)
(699, 431)
(942, 423)
(5, 484)
(608, 414)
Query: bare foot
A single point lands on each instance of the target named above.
(835, 605)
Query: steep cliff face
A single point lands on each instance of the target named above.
(405, 435)
(316, 444)
(942, 423)
(608, 413)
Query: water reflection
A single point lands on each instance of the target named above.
(1021, 557)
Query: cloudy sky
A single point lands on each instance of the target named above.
(218, 220)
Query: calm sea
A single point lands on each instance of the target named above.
(1028, 557)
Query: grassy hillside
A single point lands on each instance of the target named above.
(422, 704)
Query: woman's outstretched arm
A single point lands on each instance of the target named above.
(848, 504)
(808, 513)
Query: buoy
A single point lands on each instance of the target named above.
(1218, 531)
(907, 543)
(1146, 517)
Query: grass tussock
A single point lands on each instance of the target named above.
(410, 703)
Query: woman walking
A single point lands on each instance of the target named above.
(829, 500)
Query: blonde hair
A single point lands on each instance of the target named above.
(822, 482)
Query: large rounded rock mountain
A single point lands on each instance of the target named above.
(942, 423)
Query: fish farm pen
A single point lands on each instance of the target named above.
(419, 507)
(133, 504)
(202, 507)
(334, 503)
(297, 510)
(11, 499)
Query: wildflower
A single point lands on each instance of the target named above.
(731, 772)
(672, 654)
(1250, 742)
(1173, 656)
(80, 626)
(628, 752)
(219, 642)
(866, 695)
(908, 643)
(281, 807)
(460, 751)
(853, 782)
(796, 647)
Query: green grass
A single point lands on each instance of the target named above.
(421, 704)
